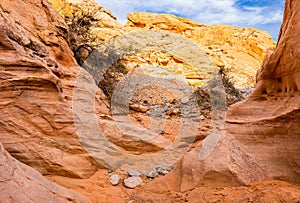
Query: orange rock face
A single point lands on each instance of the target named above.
(269, 191)
(261, 136)
(20, 183)
(37, 72)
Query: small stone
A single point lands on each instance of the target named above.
(206, 105)
(209, 127)
(168, 167)
(144, 102)
(114, 179)
(202, 117)
(196, 119)
(161, 132)
(132, 182)
(167, 101)
(164, 109)
(143, 173)
(175, 112)
(133, 173)
(139, 108)
(166, 116)
(157, 167)
(163, 172)
(185, 100)
(152, 174)
(174, 101)
(154, 114)
(169, 112)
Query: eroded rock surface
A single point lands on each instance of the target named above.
(37, 79)
(240, 50)
(37, 75)
(261, 135)
(20, 183)
(269, 191)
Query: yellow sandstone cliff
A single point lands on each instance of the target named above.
(240, 50)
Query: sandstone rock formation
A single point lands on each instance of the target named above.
(20, 183)
(39, 127)
(261, 135)
(269, 191)
(37, 74)
(240, 50)
(165, 54)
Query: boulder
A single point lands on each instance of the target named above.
(132, 182)
(114, 179)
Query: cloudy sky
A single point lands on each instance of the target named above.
(262, 14)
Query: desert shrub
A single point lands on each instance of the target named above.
(227, 81)
(233, 95)
(80, 24)
(224, 80)
(202, 95)
(112, 76)
(81, 18)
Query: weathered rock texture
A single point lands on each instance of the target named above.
(269, 191)
(20, 183)
(261, 136)
(240, 50)
(165, 54)
(37, 74)
(37, 79)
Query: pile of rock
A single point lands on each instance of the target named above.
(160, 170)
(135, 178)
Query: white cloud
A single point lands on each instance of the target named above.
(203, 11)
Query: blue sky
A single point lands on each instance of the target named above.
(262, 14)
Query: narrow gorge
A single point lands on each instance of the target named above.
(161, 109)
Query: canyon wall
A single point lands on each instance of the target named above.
(37, 75)
(38, 72)
(260, 140)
